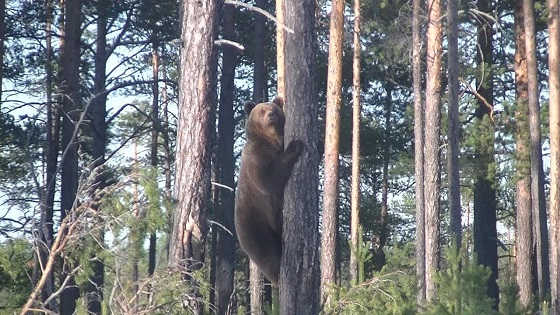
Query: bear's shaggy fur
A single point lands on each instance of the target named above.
(265, 169)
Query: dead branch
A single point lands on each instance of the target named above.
(261, 11)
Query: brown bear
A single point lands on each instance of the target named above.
(265, 169)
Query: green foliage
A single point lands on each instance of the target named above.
(391, 291)
(461, 287)
(509, 297)
(15, 270)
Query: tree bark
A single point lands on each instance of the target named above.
(332, 130)
(537, 174)
(70, 89)
(154, 143)
(299, 281)
(256, 282)
(225, 259)
(554, 116)
(356, 109)
(53, 133)
(418, 153)
(2, 36)
(524, 233)
(484, 225)
(431, 146)
(379, 259)
(94, 295)
(454, 196)
(280, 48)
(259, 79)
(192, 182)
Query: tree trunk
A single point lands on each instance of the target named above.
(299, 281)
(356, 109)
(454, 196)
(154, 143)
(332, 130)
(256, 282)
(484, 225)
(537, 174)
(524, 233)
(259, 79)
(2, 39)
(418, 153)
(431, 146)
(192, 182)
(256, 279)
(225, 259)
(379, 259)
(94, 295)
(554, 116)
(280, 48)
(53, 133)
(166, 147)
(70, 89)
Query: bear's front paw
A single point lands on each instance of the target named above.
(295, 147)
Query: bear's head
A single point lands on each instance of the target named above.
(265, 122)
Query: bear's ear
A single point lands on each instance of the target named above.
(278, 100)
(249, 107)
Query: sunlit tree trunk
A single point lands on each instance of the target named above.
(280, 50)
(192, 182)
(554, 116)
(356, 109)
(418, 153)
(524, 233)
(454, 194)
(330, 195)
(431, 145)
(71, 92)
(540, 230)
(299, 270)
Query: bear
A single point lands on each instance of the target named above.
(265, 170)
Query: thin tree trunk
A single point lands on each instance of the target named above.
(154, 143)
(167, 149)
(431, 146)
(537, 174)
(280, 48)
(53, 132)
(356, 109)
(484, 225)
(225, 259)
(70, 89)
(524, 233)
(256, 279)
(94, 295)
(453, 129)
(259, 79)
(2, 40)
(554, 116)
(418, 154)
(256, 282)
(299, 270)
(379, 259)
(192, 182)
(330, 194)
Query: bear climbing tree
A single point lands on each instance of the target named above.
(265, 169)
